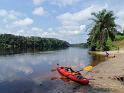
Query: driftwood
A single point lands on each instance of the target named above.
(119, 78)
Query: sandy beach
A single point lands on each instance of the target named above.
(109, 75)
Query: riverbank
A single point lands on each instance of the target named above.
(109, 76)
(115, 52)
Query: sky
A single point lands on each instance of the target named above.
(63, 19)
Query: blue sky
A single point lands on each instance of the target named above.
(62, 19)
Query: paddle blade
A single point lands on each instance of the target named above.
(54, 78)
(52, 70)
(88, 68)
(63, 77)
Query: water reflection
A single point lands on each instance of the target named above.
(96, 59)
(31, 72)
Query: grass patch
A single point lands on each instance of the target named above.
(119, 37)
(119, 44)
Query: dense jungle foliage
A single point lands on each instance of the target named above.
(21, 43)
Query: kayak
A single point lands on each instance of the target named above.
(76, 77)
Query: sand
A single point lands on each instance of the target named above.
(108, 75)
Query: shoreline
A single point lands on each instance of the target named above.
(109, 75)
(121, 51)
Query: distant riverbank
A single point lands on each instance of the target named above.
(16, 44)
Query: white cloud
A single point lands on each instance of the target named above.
(57, 2)
(71, 30)
(24, 22)
(120, 14)
(79, 17)
(82, 27)
(38, 2)
(119, 20)
(14, 22)
(50, 29)
(39, 11)
(10, 14)
(3, 12)
(75, 23)
(64, 2)
(36, 29)
(25, 69)
(31, 31)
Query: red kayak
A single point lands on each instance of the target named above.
(73, 76)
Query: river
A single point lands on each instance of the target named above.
(31, 72)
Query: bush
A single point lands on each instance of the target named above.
(119, 37)
(108, 45)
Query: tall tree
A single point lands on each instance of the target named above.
(103, 30)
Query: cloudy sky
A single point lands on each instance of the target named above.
(62, 19)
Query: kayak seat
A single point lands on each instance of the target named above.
(69, 69)
(62, 67)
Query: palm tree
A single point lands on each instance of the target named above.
(103, 30)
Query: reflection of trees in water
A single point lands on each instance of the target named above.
(10, 51)
(18, 51)
(96, 59)
(15, 51)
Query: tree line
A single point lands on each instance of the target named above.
(21, 43)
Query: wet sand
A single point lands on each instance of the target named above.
(109, 75)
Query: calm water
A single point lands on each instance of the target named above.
(31, 72)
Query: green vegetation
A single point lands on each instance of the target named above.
(103, 31)
(119, 44)
(81, 45)
(21, 43)
(119, 36)
(119, 40)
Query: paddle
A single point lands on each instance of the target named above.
(87, 68)
(52, 70)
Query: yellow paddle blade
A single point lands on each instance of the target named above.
(88, 68)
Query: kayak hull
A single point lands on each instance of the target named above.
(72, 76)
